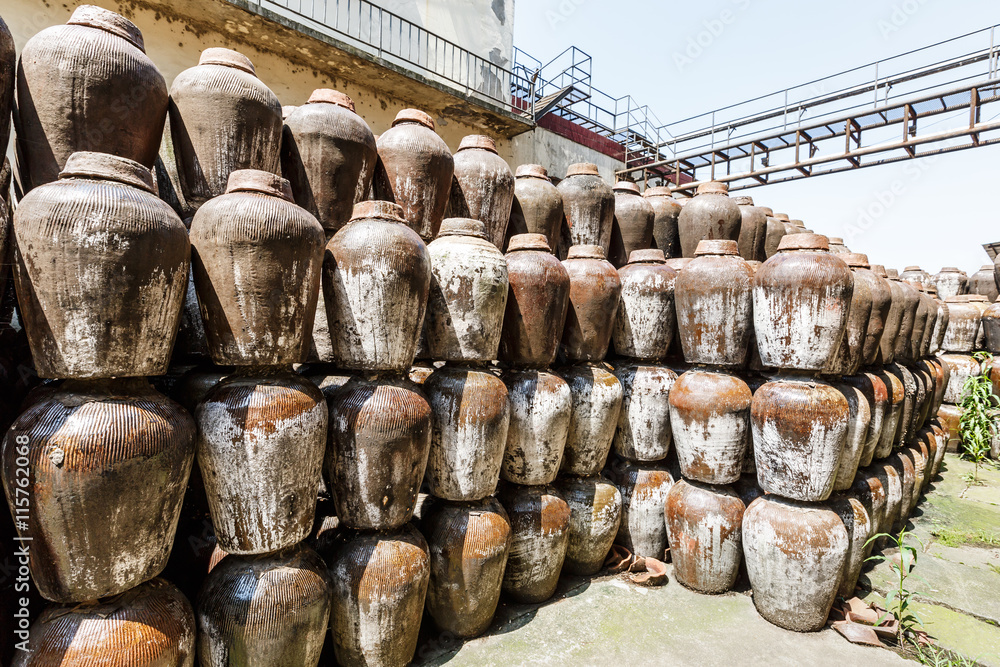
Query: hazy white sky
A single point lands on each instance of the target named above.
(933, 212)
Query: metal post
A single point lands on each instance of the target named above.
(876, 84)
(784, 120)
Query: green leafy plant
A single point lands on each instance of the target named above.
(977, 426)
(935, 656)
(899, 599)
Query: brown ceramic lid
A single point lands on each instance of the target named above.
(105, 167)
(582, 169)
(586, 252)
(986, 267)
(626, 186)
(712, 188)
(912, 268)
(331, 96)
(414, 116)
(958, 298)
(781, 216)
(648, 256)
(836, 240)
(804, 242)
(480, 141)
(657, 191)
(879, 270)
(716, 247)
(226, 58)
(767, 209)
(892, 274)
(108, 21)
(976, 298)
(382, 210)
(743, 200)
(255, 180)
(528, 242)
(855, 260)
(930, 289)
(950, 269)
(462, 227)
(798, 223)
(531, 171)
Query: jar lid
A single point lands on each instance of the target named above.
(716, 247)
(767, 210)
(879, 270)
(781, 216)
(531, 171)
(958, 298)
(227, 58)
(331, 96)
(529, 242)
(582, 169)
(382, 210)
(480, 141)
(712, 188)
(414, 116)
(107, 167)
(855, 260)
(626, 186)
(892, 274)
(286, 111)
(657, 191)
(976, 298)
(743, 200)
(647, 256)
(586, 252)
(462, 227)
(950, 269)
(912, 268)
(804, 242)
(256, 180)
(836, 240)
(798, 223)
(108, 21)
(931, 289)
(986, 267)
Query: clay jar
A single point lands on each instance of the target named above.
(644, 489)
(714, 303)
(8, 60)
(963, 325)
(799, 429)
(291, 585)
(881, 300)
(990, 324)
(850, 355)
(753, 229)
(705, 531)
(911, 302)
(100, 269)
(589, 206)
(710, 421)
(666, 210)
(483, 187)
(328, 155)
(950, 281)
(108, 462)
(595, 515)
(837, 246)
(86, 86)
(858, 423)
(876, 395)
(261, 441)
(376, 279)
(983, 282)
(471, 419)
(801, 299)
(915, 274)
(537, 207)
(893, 320)
(537, 301)
(593, 302)
(633, 223)
(416, 171)
(380, 435)
(468, 293)
(795, 554)
(858, 524)
(540, 408)
(257, 259)
(644, 420)
(775, 232)
(540, 529)
(962, 367)
(646, 321)
(596, 396)
(222, 119)
(711, 214)
(469, 546)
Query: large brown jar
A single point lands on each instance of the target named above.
(711, 214)
(222, 119)
(911, 302)
(483, 188)
(915, 274)
(595, 506)
(666, 210)
(101, 268)
(950, 281)
(540, 409)
(894, 318)
(869, 490)
(990, 324)
(593, 302)
(633, 224)
(775, 232)
(596, 395)
(850, 355)
(705, 531)
(540, 529)
(858, 524)
(589, 206)
(983, 282)
(8, 60)
(644, 420)
(644, 489)
(257, 258)
(876, 395)
(86, 86)
(107, 465)
(646, 321)
(416, 170)
(963, 325)
(881, 296)
(961, 367)
(376, 279)
(837, 246)
(859, 421)
(328, 155)
(940, 326)
(537, 207)
(753, 229)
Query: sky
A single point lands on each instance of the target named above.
(934, 212)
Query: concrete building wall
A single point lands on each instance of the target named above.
(556, 153)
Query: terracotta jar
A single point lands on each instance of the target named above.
(416, 171)
(471, 416)
(540, 529)
(257, 258)
(876, 395)
(893, 483)
(704, 528)
(644, 432)
(594, 291)
(468, 293)
(869, 490)
(908, 478)
(772, 239)
(893, 320)
(483, 188)
(537, 207)
(714, 301)
(595, 506)
(376, 279)
(990, 324)
(941, 326)
(537, 301)
(540, 408)
(646, 321)
(859, 420)
(801, 300)
(983, 282)
(469, 546)
(148, 626)
(86, 86)
(963, 325)
(272, 609)
(710, 421)
(107, 466)
(837, 246)
(633, 223)
(328, 155)
(589, 206)
(666, 210)
(915, 274)
(849, 355)
(261, 442)
(753, 229)
(950, 416)
(858, 524)
(881, 301)
(711, 214)
(924, 324)
(8, 62)
(982, 304)
(596, 396)
(950, 281)
(644, 488)
(379, 588)
(962, 367)
(909, 385)
(99, 240)
(795, 554)
(911, 302)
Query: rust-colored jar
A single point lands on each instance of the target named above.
(876, 395)
(376, 279)
(983, 282)
(893, 483)
(483, 188)
(151, 625)
(950, 281)
(858, 525)
(859, 421)
(101, 265)
(705, 531)
(468, 293)
(795, 554)
(540, 410)
(963, 325)
(589, 206)
(869, 490)
(711, 214)
(594, 292)
(257, 258)
(849, 356)
(328, 155)
(416, 171)
(775, 232)
(261, 441)
(379, 588)
(646, 321)
(982, 304)
(633, 223)
(471, 416)
(540, 530)
(380, 435)
(909, 384)
(908, 321)
(714, 302)
(915, 274)
(666, 210)
(753, 229)
(940, 326)
(270, 610)
(881, 299)
(537, 207)
(537, 301)
(595, 506)
(8, 61)
(837, 246)
(908, 478)
(86, 86)
(961, 367)
(222, 119)
(644, 488)
(893, 320)
(990, 324)
(596, 395)
(107, 464)
(801, 299)
(950, 416)
(644, 420)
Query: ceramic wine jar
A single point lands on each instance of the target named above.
(950, 281)
(596, 396)
(881, 297)
(101, 266)
(595, 289)
(483, 187)
(666, 210)
(753, 229)
(775, 232)
(540, 530)
(858, 525)
(644, 432)
(589, 206)
(711, 214)
(990, 324)
(633, 223)
(875, 393)
(963, 325)
(893, 320)
(859, 421)
(983, 282)
(849, 356)
(915, 274)
(705, 532)
(8, 60)
(540, 410)
(646, 321)
(962, 367)
(644, 488)
(537, 207)
(595, 506)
